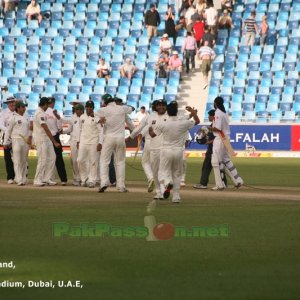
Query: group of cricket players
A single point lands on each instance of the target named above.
(97, 139)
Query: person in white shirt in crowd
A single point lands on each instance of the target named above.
(173, 132)
(20, 134)
(220, 156)
(33, 11)
(103, 70)
(165, 43)
(55, 126)
(142, 131)
(44, 142)
(127, 70)
(9, 5)
(188, 17)
(211, 15)
(74, 131)
(5, 115)
(141, 114)
(89, 146)
(113, 118)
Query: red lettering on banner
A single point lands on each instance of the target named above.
(295, 138)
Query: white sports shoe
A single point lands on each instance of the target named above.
(76, 183)
(91, 185)
(51, 183)
(64, 183)
(38, 184)
(239, 184)
(200, 186)
(182, 183)
(123, 190)
(10, 181)
(216, 188)
(176, 200)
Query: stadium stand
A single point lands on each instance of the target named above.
(60, 55)
(260, 83)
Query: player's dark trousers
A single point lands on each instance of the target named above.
(9, 165)
(206, 169)
(190, 55)
(59, 162)
(112, 171)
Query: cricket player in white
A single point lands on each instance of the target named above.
(18, 131)
(173, 132)
(5, 115)
(220, 154)
(113, 117)
(44, 142)
(156, 144)
(74, 131)
(142, 130)
(89, 141)
(55, 126)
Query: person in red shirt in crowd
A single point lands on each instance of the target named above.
(199, 30)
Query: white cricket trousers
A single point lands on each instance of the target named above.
(88, 162)
(74, 157)
(170, 168)
(221, 156)
(184, 166)
(146, 161)
(155, 165)
(46, 161)
(20, 154)
(117, 146)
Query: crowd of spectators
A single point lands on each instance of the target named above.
(201, 20)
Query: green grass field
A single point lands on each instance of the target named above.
(258, 260)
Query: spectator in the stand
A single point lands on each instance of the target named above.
(33, 11)
(103, 70)
(188, 17)
(225, 21)
(140, 115)
(206, 54)
(264, 28)
(128, 70)
(181, 24)
(170, 24)
(200, 6)
(189, 48)
(228, 4)
(211, 17)
(184, 6)
(165, 44)
(164, 59)
(9, 5)
(199, 30)
(251, 29)
(208, 37)
(152, 21)
(175, 63)
(1, 9)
